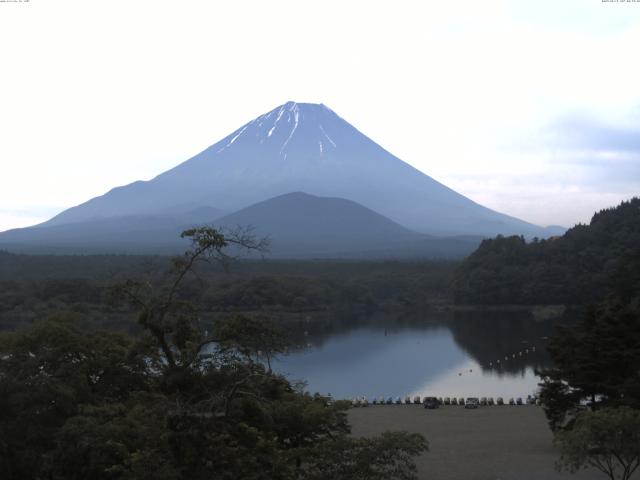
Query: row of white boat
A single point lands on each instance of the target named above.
(434, 402)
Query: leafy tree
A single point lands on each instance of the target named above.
(598, 359)
(224, 395)
(164, 315)
(124, 440)
(255, 336)
(176, 402)
(46, 374)
(378, 458)
(606, 439)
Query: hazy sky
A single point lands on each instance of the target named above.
(530, 107)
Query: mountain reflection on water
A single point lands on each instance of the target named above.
(448, 355)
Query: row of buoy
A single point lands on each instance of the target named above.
(417, 400)
(513, 356)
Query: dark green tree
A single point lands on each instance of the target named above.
(378, 458)
(598, 359)
(178, 401)
(606, 439)
(255, 336)
(47, 374)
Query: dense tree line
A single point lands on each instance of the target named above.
(175, 401)
(572, 269)
(285, 290)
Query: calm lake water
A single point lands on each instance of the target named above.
(457, 356)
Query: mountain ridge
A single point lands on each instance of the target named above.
(304, 147)
(296, 147)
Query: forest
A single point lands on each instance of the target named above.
(573, 269)
(155, 367)
(33, 287)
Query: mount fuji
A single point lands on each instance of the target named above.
(297, 147)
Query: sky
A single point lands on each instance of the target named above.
(531, 108)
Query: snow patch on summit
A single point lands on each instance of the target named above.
(296, 117)
(272, 129)
(301, 120)
(328, 137)
(234, 138)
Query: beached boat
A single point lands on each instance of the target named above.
(471, 402)
(430, 402)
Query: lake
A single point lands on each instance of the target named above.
(463, 354)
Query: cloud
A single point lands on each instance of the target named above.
(562, 172)
(599, 155)
(586, 133)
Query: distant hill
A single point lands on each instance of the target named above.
(570, 269)
(303, 225)
(303, 147)
(298, 225)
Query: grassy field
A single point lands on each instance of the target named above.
(490, 443)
